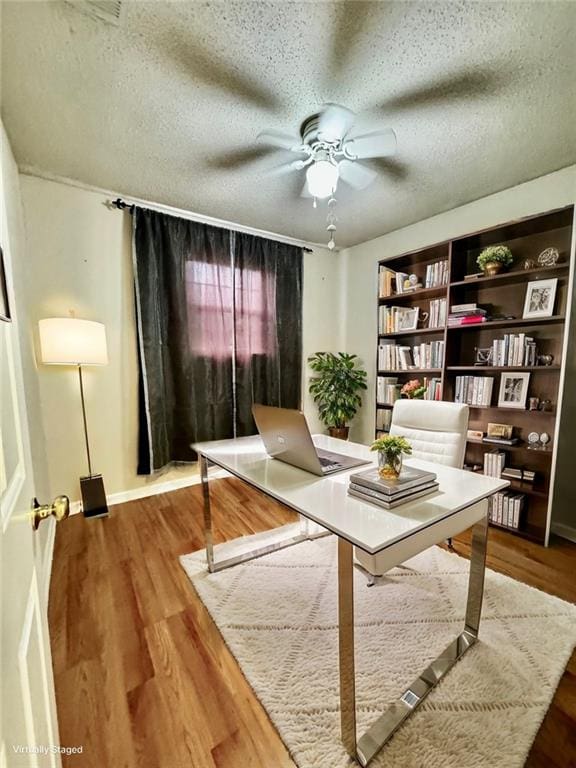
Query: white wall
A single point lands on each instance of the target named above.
(360, 335)
(79, 259)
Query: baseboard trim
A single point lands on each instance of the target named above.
(565, 531)
(145, 490)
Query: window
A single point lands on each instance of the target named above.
(230, 310)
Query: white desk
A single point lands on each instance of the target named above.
(460, 502)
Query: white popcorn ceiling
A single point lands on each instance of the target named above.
(481, 96)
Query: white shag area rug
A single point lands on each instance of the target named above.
(278, 615)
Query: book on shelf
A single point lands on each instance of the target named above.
(386, 279)
(437, 314)
(383, 419)
(501, 440)
(466, 314)
(392, 319)
(505, 508)
(397, 357)
(494, 463)
(365, 494)
(436, 274)
(410, 478)
(474, 390)
(387, 389)
(514, 349)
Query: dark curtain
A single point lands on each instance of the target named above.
(219, 327)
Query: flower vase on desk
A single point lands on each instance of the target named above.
(390, 449)
(389, 465)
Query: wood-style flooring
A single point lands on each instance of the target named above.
(143, 678)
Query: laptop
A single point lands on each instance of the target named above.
(286, 437)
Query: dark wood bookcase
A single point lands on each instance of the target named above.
(504, 294)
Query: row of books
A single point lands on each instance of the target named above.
(474, 390)
(433, 389)
(520, 474)
(437, 315)
(494, 463)
(394, 319)
(504, 508)
(383, 419)
(395, 357)
(466, 314)
(387, 390)
(436, 274)
(515, 349)
(412, 483)
(391, 283)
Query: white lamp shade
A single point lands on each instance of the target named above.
(68, 341)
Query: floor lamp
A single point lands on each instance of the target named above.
(70, 341)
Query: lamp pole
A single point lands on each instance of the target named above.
(84, 418)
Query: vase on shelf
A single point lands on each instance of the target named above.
(389, 465)
(493, 268)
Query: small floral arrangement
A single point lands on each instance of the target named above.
(392, 445)
(499, 254)
(413, 389)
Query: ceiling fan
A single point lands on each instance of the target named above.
(330, 154)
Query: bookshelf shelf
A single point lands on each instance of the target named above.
(515, 276)
(411, 370)
(421, 293)
(512, 411)
(412, 332)
(518, 322)
(510, 448)
(501, 295)
(496, 369)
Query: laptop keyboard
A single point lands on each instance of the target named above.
(328, 463)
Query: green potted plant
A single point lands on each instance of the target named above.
(336, 389)
(390, 451)
(494, 258)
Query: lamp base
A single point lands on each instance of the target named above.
(93, 496)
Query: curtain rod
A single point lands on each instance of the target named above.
(122, 205)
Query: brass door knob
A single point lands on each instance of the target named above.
(60, 509)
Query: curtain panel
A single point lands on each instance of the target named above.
(219, 318)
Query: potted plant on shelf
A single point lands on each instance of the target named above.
(494, 258)
(390, 451)
(336, 389)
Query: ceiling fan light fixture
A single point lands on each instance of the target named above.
(322, 178)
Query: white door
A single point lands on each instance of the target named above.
(29, 730)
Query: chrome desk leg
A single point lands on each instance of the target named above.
(214, 566)
(208, 537)
(346, 646)
(386, 725)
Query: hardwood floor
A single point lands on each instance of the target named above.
(143, 678)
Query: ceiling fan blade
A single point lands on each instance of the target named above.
(376, 144)
(281, 140)
(282, 170)
(356, 174)
(239, 158)
(466, 86)
(334, 122)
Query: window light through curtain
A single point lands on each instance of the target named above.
(214, 299)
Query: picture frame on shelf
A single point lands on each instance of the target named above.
(408, 318)
(540, 298)
(513, 390)
(5, 314)
(500, 430)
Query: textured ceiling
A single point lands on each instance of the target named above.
(163, 106)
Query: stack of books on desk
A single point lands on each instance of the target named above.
(411, 484)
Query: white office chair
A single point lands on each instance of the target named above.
(437, 432)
